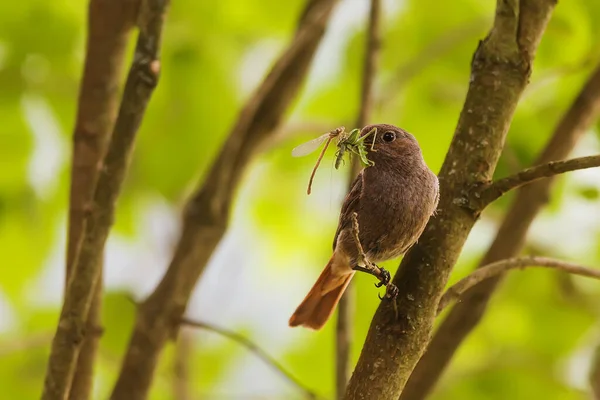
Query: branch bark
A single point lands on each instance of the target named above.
(109, 26)
(347, 304)
(500, 267)
(500, 187)
(86, 270)
(509, 241)
(207, 211)
(500, 71)
(182, 376)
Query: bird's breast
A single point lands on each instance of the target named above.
(393, 214)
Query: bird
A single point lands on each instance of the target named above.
(393, 200)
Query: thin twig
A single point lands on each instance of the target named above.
(504, 185)
(143, 77)
(207, 211)
(502, 266)
(252, 347)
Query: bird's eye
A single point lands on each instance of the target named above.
(389, 136)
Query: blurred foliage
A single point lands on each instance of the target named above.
(532, 344)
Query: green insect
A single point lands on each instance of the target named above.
(355, 144)
(351, 143)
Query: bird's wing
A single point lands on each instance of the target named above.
(351, 204)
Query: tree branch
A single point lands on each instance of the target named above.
(71, 330)
(344, 332)
(500, 187)
(346, 307)
(253, 348)
(509, 240)
(499, 267)
(500, 71)
(594, 377)
(182, 375)
(207, 211)
(109, 26)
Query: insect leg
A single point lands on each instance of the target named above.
(314, 171)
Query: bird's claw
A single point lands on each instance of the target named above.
(384, 277)
(391, 292)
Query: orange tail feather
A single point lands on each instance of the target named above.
(321, 300)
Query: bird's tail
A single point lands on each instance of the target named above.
(319, 303)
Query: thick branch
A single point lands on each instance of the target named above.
(509, 240)
(500, 72)
(501, 186)
(253, 348)
(141, 81)
(109, 26)
(207, 212)
(346, 306)
(499, 267)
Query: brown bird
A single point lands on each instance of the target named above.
(393, 199)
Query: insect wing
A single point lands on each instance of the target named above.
(310, 146)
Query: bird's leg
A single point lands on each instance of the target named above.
(384, 277)
(370, 268)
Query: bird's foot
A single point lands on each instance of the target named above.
(384, 277)
(391, 292)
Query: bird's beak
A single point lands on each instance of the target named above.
(369, 137)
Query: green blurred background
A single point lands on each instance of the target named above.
(536, 339)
